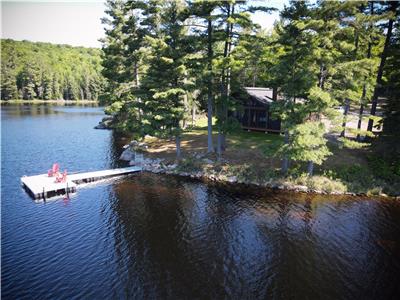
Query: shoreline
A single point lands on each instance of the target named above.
(271, 184)
(38, 101)
(208, 174)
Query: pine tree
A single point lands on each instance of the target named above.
(303, 71)
(202, 12)
(387, 144)
(393, 8)
(114, 49)
(8, 83)
(295, 72)
(163, 86)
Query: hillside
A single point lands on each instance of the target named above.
(35, 70)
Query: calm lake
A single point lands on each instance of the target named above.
(162, 237)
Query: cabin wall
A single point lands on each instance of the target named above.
(256, 116)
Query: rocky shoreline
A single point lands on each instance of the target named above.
(134, 154)
(106, 123)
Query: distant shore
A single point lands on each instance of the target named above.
(37, 101)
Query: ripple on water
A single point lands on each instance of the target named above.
(153, 236)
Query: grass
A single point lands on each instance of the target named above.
(251, 157)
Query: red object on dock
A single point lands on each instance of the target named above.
(62, 177)
(54, 170)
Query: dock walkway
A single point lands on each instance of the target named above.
(43, 186)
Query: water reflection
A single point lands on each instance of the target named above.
(154, 236)
(21, 110)
(180, 239)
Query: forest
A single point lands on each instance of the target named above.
(163, 60)
(49, 72)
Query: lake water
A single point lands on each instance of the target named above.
(162, 237)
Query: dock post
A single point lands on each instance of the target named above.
(67, 190)
(44, 197)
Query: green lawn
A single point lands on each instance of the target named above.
(268, 143)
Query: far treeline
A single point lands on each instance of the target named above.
(49, 72)
(162, 59)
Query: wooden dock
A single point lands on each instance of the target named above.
(43, 186)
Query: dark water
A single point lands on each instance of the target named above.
(149, 236)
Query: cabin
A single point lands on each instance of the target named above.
(255, 111)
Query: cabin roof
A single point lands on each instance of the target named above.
(263, 95)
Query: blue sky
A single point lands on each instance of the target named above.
(74, 22)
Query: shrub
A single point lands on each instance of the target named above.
(351, 144)
(321, 183)
(190, 165)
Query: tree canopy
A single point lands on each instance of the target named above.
(49, 72)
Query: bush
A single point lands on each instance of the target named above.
(382, 169)
(321, 183)
(351, 144)
(190, 165)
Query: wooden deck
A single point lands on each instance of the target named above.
(43, 186)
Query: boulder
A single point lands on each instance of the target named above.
(127, 155)
(105, 123)
(232, 179)
(300, 188)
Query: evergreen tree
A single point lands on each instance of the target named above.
(163, 86)
(387, 145)
(114, 49)
(8, 83)
(40, 70)
(393, 7)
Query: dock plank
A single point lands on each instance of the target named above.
(40, 185)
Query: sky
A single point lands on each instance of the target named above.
(74, 22)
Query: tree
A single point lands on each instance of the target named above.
(304, 71)
(203, 12)
(42, 70)
(295, 71)
(387, 144)
(163, 86)
(113, 46)
(394, 9)
(8, 83)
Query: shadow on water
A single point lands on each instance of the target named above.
(183, 239)
(154, 236)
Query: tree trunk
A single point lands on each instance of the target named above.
(346, 111)
(360, 114)
(137, 83)
(384, 53)
(210, 147)
(310, 168)
(178, 147)
(193, 113)
(219, 145)
(364, 92)
(225, 82)
(285, 161)
(136, 70)
(274, 94)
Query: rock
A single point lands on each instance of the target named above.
(100, 126)
(300, 188)
(142, 145)
(105, 123)
(133, 143)
(198, 155)
(127, 155)
(172, 167)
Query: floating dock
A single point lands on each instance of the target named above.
(43, 186)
